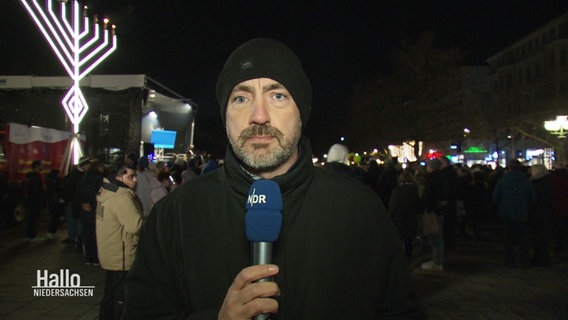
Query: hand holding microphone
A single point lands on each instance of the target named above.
(250, 293)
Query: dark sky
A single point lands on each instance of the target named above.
(183, 43)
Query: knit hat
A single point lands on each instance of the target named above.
(265, 58)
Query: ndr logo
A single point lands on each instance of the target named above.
(256, 198)
(62, 284)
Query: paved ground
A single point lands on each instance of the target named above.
(476, 285)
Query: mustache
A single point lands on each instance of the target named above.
(256, 130)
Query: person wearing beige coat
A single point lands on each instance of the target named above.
(119, 218)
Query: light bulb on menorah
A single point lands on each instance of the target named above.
(78, 48)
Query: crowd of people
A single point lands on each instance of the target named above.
(528, 201)
(71, 199)
(103, 206)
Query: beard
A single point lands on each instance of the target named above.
(260, 156)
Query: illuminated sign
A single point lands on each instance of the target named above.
(475, 150)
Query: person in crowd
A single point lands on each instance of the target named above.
(492, 178)
(541, 214)
(195, 164)
(560, 206)
(161, 186)
(33, 197)
(387, 180)
(118, 221)
(147, 178)
(72, 202)
(404, 209)
(175, 168)
(55, 204)
(451, 217)
(514, 194)
(476, 200)
(338, 255)
(435, 199)
(89, 187)
(210, 164)
(130, 159)
(371, 176)
(337, 161)
(189, 172)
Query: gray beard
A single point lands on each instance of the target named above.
(256, 156)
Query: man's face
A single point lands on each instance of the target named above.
(263, 125)
(128, 178)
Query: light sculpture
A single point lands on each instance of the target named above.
(78, 48)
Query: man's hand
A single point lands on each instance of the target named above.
(86, 207)
(246, 299)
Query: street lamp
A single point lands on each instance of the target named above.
(558, 127)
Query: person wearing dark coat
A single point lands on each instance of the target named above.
(70, 192)
(55, 203)
(404, 209)
(435, 199)
(33, 188)
(541, 214)
(450, 218)
(560, 208)
(337, 255)
(476, 201)
(89, 187)
(514, 195)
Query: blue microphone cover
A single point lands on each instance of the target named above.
(263, 219)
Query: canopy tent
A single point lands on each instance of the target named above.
(117, 106)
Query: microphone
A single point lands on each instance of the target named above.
(263, 222)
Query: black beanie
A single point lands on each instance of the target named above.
(265, 58)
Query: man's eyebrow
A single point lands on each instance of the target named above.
(273, 86)
(250, 89)
(242, 87)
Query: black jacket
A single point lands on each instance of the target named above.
(338, 253)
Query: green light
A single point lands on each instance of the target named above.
(475, 150)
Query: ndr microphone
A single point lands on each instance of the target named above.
(263, 221)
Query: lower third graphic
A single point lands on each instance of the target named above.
(62, 284)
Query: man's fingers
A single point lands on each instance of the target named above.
(260, 305)
(252, 274)
(247, 298)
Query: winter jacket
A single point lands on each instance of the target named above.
(338, 253)
(513, 195)
(404, 208)
(436, 193)
(88, 189)
(119, 218)
(146, 181)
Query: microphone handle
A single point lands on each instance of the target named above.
(262, 254)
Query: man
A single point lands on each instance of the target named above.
(119, 218)
(435, 199)
(33, 187)
(70, 189)
(451, 216)
(88, 190)
(514, 195)
(338, 256)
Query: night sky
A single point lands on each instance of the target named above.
(183, 44)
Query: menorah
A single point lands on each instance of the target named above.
(78, 48)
